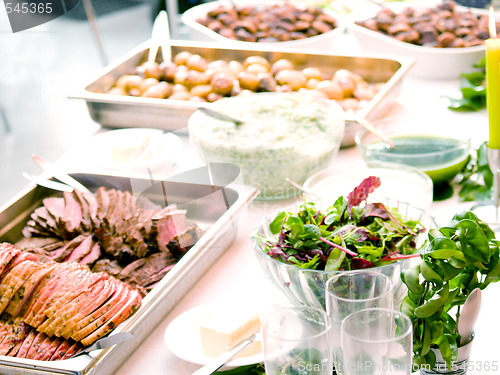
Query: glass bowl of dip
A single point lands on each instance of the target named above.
(284, 135)
(419, 143)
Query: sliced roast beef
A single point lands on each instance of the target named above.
(45, 243)
(102, 200)
(168, 223)
(105, 265)
(81, 250)
(14, 280)
(16, 333)
(71, 220)
(34, 315)
(7, 253)
(68, 323)
(68, 302)
(58, 255)
(55, 207)
(92, 256)
(131, 306)
(72, 350)
(131, 268)
(92, 207)
(21, 335)
(48, 348)
(19, 299)
(26, 346)
(93, 318)
(154, 278)
(61, 350)
(153, 265)
(103, 315)
(86, 221)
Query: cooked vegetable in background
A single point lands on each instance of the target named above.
(195, 78)
(267, 23)
(442, 26)
(346, 236)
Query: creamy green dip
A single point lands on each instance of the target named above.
(284, 135)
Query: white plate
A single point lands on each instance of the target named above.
(131, 150)
(182, 337)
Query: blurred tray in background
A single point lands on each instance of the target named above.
(128, 111)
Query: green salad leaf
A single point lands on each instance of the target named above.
(256, 369)
(476, 183)
(345, 236)
(473, 89)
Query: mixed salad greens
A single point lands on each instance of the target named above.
(346, 236)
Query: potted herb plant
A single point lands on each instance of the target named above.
(458, 259)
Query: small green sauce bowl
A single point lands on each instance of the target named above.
(437, 152)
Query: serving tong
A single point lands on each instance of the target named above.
(160, 38)
(105, 342)
(67, 183)
(216, 363)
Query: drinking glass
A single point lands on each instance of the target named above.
(349, 292)
(376, 342)
(297, 341)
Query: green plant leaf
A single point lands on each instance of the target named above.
(426, 337)
(434, 304)
(447, 254)
(410, 277)
(473, 240)
(430, 273)
(448, 348)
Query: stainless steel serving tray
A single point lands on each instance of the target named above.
(167, 114)
(213, 208)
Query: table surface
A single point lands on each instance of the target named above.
(237, 277)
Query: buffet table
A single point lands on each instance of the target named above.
(236, 278)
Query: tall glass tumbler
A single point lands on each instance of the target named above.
(377, 342)
(348, 292)
(297, 341)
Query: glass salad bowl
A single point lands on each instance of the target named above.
(307, 286)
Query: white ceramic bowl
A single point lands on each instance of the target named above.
(401, 183)
(430, 62)
(286, 135)
(200, 32)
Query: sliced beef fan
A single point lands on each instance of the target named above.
(50, 311)
(108, 231)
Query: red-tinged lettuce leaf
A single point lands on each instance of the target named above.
(377, 210)
(360, 263)
(360, 193)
